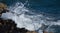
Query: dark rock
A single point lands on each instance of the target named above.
(9, 26)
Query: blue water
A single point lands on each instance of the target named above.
(48, 7)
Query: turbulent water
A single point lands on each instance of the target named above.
(25, 17)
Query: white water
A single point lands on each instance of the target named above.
(30, 22)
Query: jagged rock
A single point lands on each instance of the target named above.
(3, 8)
(9, 26)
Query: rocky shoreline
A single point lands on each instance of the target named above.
(9, 26)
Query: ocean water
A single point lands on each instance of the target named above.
(31, 14)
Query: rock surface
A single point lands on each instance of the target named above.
(9, 26)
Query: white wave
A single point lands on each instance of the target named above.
(30, 22)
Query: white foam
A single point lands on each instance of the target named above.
(30, 22)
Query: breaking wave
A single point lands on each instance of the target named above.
(25, 18)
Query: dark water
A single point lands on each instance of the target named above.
(49, 7)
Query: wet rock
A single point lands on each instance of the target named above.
(9, 26)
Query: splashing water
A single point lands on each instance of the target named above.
(30, 22)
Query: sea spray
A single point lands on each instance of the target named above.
(30, 22)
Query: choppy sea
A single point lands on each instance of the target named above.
(31, 14)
